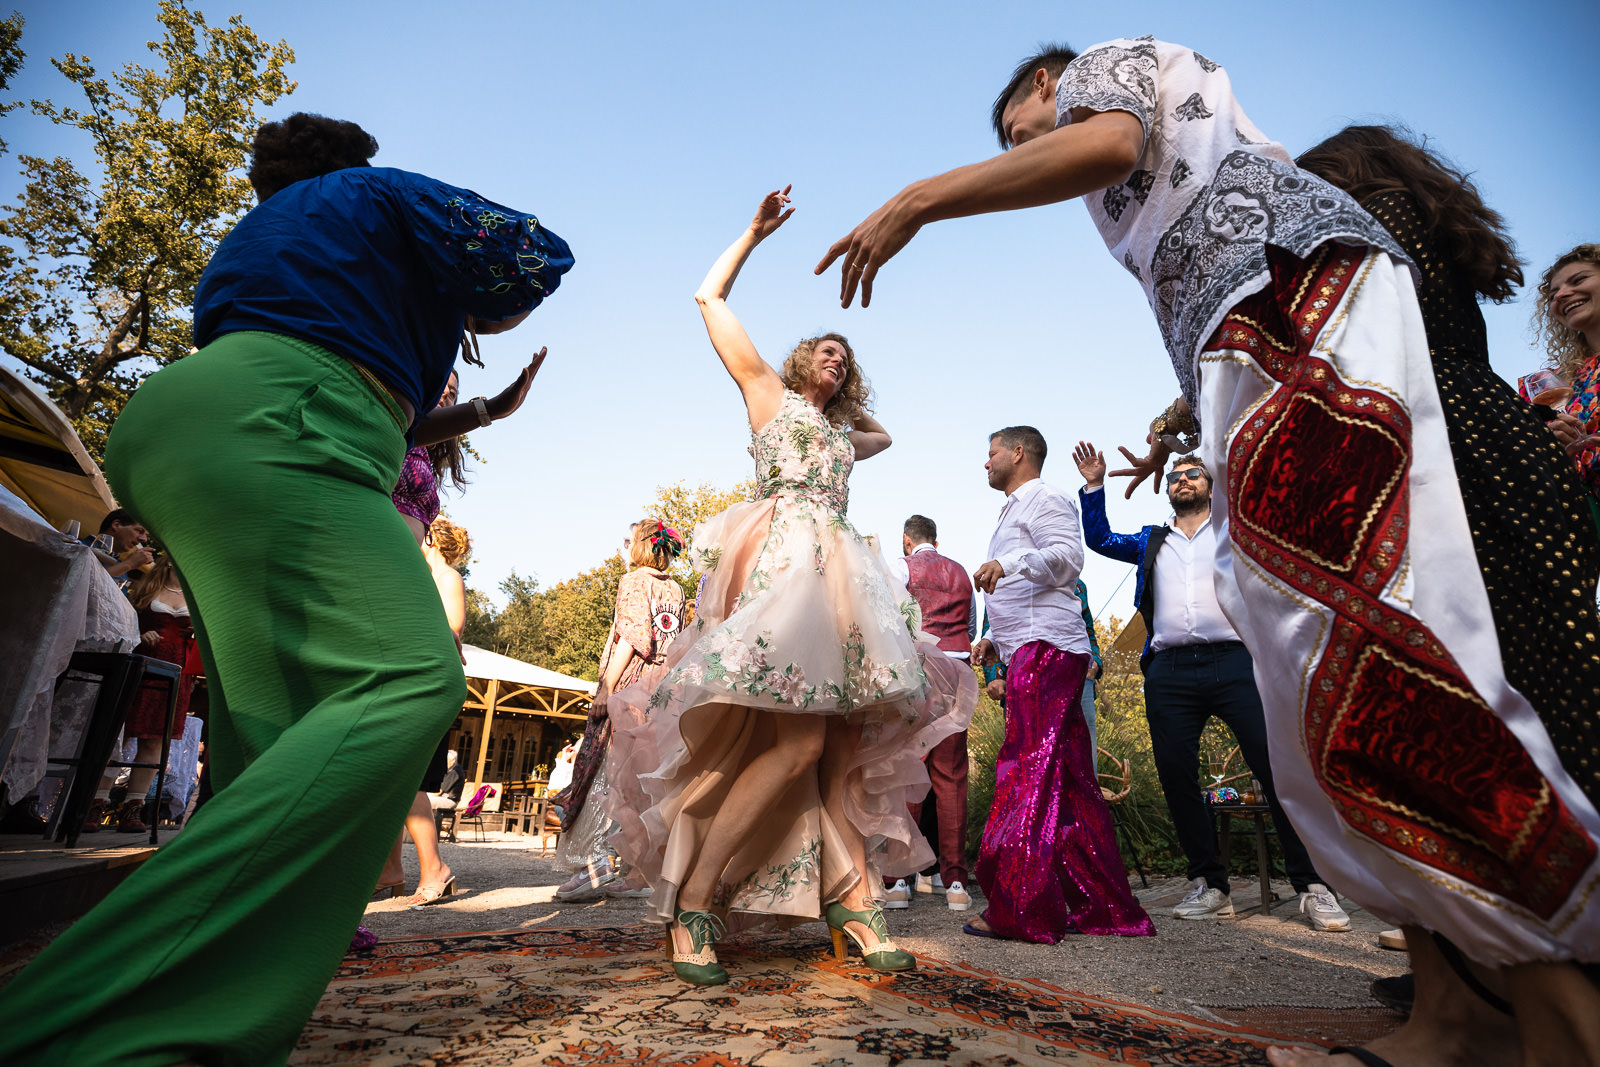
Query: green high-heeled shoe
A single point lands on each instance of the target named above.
(698, 966)
(882, 956)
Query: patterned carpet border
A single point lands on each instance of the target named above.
(605, 995)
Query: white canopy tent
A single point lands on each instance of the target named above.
(497, 683)
(43, 462)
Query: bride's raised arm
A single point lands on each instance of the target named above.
(762, 389)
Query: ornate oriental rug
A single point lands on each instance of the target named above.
(584, 996)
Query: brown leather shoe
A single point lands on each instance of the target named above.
(130, 818)
(95, 817)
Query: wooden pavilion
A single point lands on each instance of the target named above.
(516, 718)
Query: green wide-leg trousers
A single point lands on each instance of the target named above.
(264, 465)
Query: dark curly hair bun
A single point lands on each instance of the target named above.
(306, 146)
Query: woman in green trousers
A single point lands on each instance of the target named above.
(325, 321)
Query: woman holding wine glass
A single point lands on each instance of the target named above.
(1568, 318)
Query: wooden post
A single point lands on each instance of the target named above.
(488, 721)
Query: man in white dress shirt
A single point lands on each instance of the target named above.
(1195, 667)
(1049, 863)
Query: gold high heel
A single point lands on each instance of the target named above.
(883, 955)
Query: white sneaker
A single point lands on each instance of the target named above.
(927, 884)
(897, 897)
(1392, 939)
(1203, 902)
(1317, 903)
(956, 898)
(588, 884)
(624, 891)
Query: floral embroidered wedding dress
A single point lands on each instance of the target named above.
(797, 613)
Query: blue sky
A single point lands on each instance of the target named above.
(646, 133)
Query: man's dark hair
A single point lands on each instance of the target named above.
(1031, 440)
(1052, 57)
(921, 530)
(120, 515)
(1193, 461)
(306, 146)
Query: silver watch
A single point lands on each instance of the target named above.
(482, 407)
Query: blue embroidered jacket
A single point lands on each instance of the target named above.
(1139, 549)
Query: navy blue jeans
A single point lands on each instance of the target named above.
(1183, 689)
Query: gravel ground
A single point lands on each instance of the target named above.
(505, 884)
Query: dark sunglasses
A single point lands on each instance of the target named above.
(1194, 473)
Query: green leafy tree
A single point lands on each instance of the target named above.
(99, 275)
(683, 508)
(11, 57)
(479, 628)
(565, 627)
(518, 630)
(577, 619)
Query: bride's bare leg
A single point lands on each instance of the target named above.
(843, 739)
(1450, 1025)
(760, 785)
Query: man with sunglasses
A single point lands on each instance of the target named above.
(1195, 667)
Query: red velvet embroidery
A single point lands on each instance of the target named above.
(1411, 756)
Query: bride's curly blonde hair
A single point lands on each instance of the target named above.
(854, 397)
(1568, 352)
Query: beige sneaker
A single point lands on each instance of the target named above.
(898, 896)
(956, 897)
(1319, 905)
(1392, 939)
(1203, 902)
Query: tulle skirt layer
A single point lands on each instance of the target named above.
(797, 615)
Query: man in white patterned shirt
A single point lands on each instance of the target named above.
(1048, 863)
(1292, 322)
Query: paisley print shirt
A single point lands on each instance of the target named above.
(1208, 194)
(417, 492)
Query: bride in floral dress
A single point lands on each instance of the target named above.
(763, 781)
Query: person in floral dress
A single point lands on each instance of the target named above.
(764, 780)
(1568, 318)
(649, 615)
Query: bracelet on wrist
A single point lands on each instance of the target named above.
(481, 406)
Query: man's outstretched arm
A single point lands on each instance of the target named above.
(1093, 153)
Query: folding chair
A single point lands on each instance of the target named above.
(1114, 789)
(474, 811)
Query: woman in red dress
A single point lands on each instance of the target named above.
(165, 633)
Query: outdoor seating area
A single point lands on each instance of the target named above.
(59, 609)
